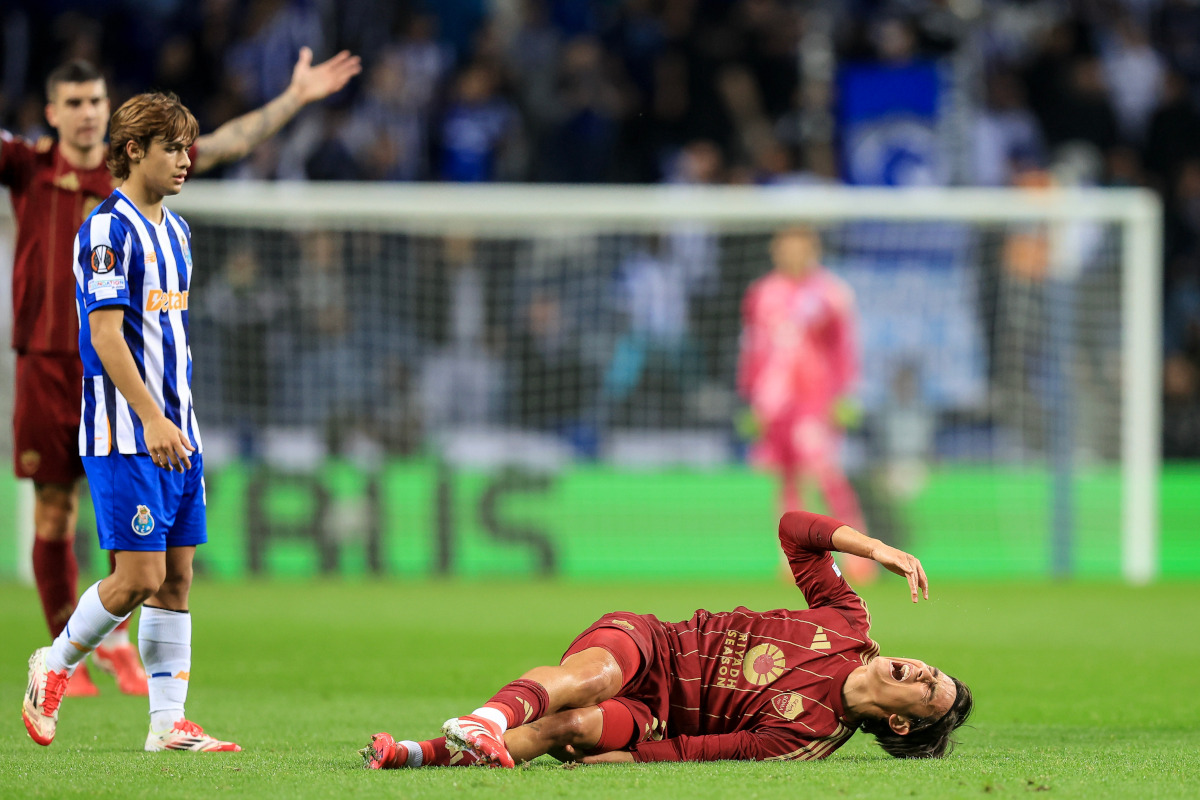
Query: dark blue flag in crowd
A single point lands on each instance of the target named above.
(889, 119)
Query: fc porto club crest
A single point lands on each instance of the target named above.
(183, 246)
(103, 259)
(143, 523)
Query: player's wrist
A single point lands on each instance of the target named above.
(152, 418)
(293, 96)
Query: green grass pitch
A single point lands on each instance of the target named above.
(1083, 690)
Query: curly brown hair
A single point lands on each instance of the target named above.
(144, 118)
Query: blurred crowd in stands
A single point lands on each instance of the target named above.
(1097, 92)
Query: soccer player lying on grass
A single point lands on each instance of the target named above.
(773, 685)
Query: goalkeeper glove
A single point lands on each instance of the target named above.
(847, 412)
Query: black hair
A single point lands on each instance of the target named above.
(75, 71)
(926, 737)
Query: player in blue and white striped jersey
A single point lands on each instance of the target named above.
(138, 437)
(120, 255)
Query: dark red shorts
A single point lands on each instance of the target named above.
(646, 693)
(46, 418)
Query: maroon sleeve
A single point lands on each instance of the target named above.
(17, 161)
(806, 539)
(739, 746)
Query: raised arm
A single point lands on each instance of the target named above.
(236, 138)
(848, 540)
(803, 535)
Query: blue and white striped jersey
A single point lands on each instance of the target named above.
(123, 259)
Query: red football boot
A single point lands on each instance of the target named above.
(80, 684)
(479, 735)
(123, 663)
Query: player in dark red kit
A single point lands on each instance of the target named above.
(54, 185)
(741, 684)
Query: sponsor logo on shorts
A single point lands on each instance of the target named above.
(763, 664)
(30, 460)
(103, 259)
(112, 282)
(143, 522)
(788, 705)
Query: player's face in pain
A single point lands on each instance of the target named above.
(909, 689)
(79, 112)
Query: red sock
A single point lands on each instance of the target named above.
(55, 571)
(123, 625)
(618, 729)
(435, 754)
(521, 702)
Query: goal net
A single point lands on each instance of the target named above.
(431, 379)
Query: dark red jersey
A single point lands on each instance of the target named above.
(765, 685)
(50, 200)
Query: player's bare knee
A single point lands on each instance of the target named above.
(574, 726)
(55, 511)
(582, 726)
(140, 582)
(601, 681)
(127, 595)
(54, 526)
(175, 588)
(595, 676)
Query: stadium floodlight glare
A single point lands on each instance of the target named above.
(1028, 320)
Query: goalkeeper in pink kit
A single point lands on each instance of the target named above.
(797, 367)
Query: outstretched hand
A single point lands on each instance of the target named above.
(316, 83)
(905, 565)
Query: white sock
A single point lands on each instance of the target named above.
(415, 756)
(494, 715)
(118, 637)
(87, 627)
(165, 641)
